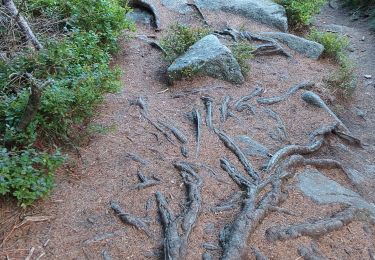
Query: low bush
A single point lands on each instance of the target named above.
(300, 12)
(334, 44)
(179, 38)
(75, 61)
(27, 174)
(243, 51)
(343, 79)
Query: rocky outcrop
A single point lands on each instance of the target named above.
(325, 190)
(310, 49)
(207, 57)
(263, 11)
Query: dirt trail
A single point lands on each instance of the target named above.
(82, 224)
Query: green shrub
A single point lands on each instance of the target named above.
(334, 44)
(343, 79)
(243, 51)
(300, 12)
(179, 38)
(28, 174)
(76, 63)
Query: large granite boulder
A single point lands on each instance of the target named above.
(263, 11)
(207, 57)
(310, 49)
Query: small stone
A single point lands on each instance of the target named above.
(360, 112)
(368, 76)
(363, 38)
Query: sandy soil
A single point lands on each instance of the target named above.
(81, 223)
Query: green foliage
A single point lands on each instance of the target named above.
(343, 79)
(77, 67)
(334, 44)
(300, 12)
(179, 38)
(28, 174)
(243, 51)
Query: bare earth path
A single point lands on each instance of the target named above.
(80, 222)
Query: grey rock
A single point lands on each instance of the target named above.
(140, 16)
(310, 49)
(252, 147)
(263, 11)
(207, 57)
(180, 6)
(324, 190)
(361, 113)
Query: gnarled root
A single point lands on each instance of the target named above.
(313, 229)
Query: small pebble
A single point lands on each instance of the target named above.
(363, 38)
(368, 76)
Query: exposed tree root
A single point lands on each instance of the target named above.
(282, 210)
(137, 158)
(213, 173)
(230, 32)
(253, 147)
(311, 253)
(291, 91)
(129, 219)
(258, 254)
(106, 255)
(313, 229)
(195, 91)
(144, 4)
(231, 145)
(175, 131)
(141, 102)
(196, 118)
(224, 108)
(175, 245)
(184, 151)
(318, 138)
(144, 182)
(207, 256)
(239, 105)
(199, 12)
(235, 236)
(233, 202)
(271, 47)
(152, 43)
(281, 129)
(313, 99)
(172, 241)
(208, 104)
